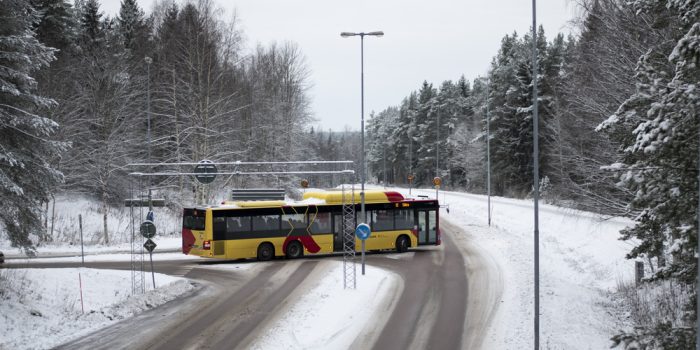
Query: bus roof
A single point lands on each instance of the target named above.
(319, 197)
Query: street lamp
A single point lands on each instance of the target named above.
(362, 111)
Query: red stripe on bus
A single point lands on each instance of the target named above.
(187, 240)
(393, 196)
(307, 241)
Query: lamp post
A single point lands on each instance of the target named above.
(488, 151)
(536, 173)
(362, 114)
(437, 152)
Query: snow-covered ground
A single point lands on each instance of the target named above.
(64, 227)
(318, 321)
(581, 261)
(43, 308)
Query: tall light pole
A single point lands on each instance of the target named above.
(536, 173)
(362, 114)
(488, 151)
(437, 152)
(384, 161)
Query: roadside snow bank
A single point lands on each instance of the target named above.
(41, 308)
(326, 316)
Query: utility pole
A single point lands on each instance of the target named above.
(488, 151)
(536, 173)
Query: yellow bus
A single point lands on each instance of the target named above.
(268, 229)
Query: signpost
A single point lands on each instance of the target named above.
(148, 231)
(150, 245)
(363, 232)
(411, 177)
(205, 171)
(437, 181)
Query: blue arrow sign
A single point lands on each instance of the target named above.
(362, 231)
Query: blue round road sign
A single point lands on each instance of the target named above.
(362, 231)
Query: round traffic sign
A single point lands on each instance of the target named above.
(305, 183)
(148, 229)
(362, 231)
(411, 177)
(437, 181)
(205, 171)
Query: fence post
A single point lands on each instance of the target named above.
(82, 251)
(638, 271)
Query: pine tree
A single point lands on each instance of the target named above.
(26, 174)
(658, 129)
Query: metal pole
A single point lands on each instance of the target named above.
(488, 151)
(82, 251)
(697, 302)
(410, 159)
(153, 274)
(437, 154)
(148, 104)
(362, 126)
(384, 162)
(363, 257)
(536, 175)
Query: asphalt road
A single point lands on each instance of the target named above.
(436, 308)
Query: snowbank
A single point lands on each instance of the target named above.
(43, 308)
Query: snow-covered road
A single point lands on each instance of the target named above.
(581, 262)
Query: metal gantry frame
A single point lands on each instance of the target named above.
(348, 205)
(138, 284)
(349, 266)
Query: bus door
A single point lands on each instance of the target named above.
(337, 233)
(427, 226)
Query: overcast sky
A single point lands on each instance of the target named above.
(432, 40)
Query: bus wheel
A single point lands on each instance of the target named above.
(402, 244)
(265, 252)
(294, 250)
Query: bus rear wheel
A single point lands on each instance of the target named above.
(402, 244)
(265, 252)
(294, 250)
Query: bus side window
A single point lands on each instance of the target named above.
(219, 228)
(237, 224)
(382, 220)
(321, 223)
(404, 219)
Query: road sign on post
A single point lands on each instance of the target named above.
(206, 171)
(150, 245)
(437, 181)
(363, 232)
(148, 229)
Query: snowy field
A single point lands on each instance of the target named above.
(581, 262)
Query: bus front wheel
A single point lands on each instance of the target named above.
(294, 250)
(265, 252)
(402, 244)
